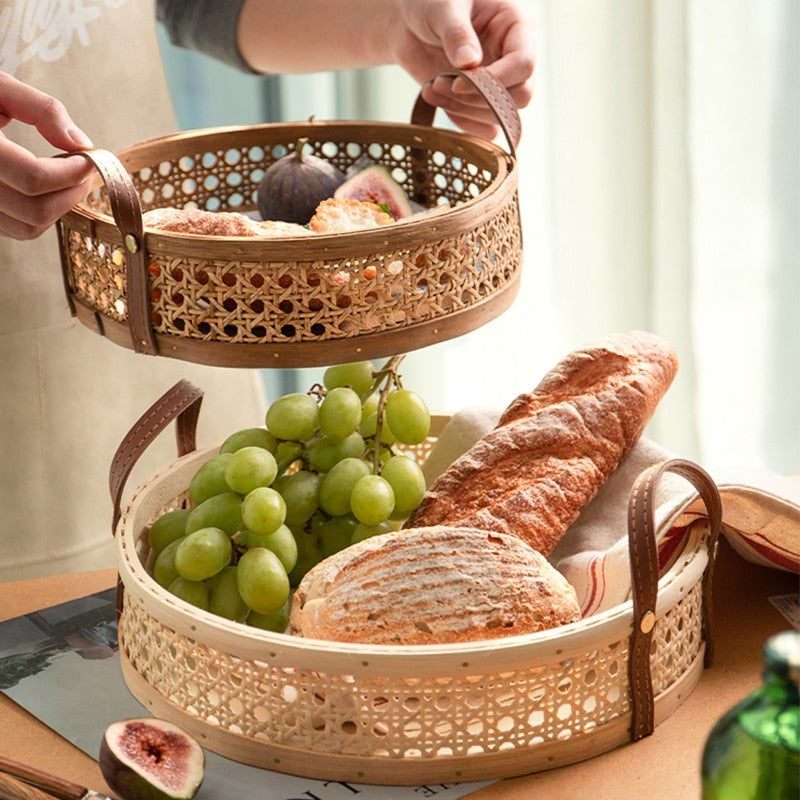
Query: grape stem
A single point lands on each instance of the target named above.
(388, 376)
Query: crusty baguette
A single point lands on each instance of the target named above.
(554, 447)
(432, 586)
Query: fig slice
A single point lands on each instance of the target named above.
(375, 184)
(151, 759)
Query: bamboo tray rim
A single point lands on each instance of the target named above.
(358, 659)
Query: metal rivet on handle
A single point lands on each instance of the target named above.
(647, 622)
(131, 243)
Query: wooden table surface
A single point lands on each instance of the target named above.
(664, 765)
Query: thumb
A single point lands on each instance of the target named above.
(458, 38)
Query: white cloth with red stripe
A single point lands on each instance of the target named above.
(760, 515)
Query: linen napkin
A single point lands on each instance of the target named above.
(760, 515)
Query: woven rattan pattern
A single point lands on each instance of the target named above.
(415, 716)
(312, 296)
(269, 699)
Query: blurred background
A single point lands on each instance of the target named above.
(660, 190)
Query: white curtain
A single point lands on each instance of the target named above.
(660, 189)
(660, 169)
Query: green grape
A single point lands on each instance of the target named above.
(280, 541)
(300, 492)
(209, 479)
(362, 531)
(358, 375)
(263, 510)
(293, 416)
(203, 553)
(407, 416)
(224, 598)
(167, 528)
(249, 437)
(370, 406)
(250, 467)
(407, 481)
(276, 621)
(220, 511)
(326, 451)
(337, 485)
(164, 571)
(309, 553)
(262, 580)
(340, 412)
(335, 533)
(372, 499)
(287, 453)
(195, 593)
(369, 427)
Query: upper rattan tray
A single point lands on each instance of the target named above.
(298, 301)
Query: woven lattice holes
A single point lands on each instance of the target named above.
(342, 712)
(416, 716)
(465, 251)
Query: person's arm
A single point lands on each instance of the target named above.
(425, 37)
(35, 192)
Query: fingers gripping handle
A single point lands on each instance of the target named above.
(644, 577)
(127, 213)
(496, 95)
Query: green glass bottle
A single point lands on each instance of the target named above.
(753, 752)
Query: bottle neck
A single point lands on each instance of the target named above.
(779, 683)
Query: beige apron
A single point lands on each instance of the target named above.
(68, 395)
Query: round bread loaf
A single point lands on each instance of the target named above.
(434, 585)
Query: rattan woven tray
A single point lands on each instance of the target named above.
(298, 301)
(400, 715)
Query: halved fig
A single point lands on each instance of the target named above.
(375, 184)
(151, 759)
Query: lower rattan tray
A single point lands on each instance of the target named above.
(399, 715)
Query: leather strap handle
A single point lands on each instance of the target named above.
(644, 577)
(496, 95)
(181, 403)
(127, 213)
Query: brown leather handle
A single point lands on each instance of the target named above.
(127, 213)
(496, 96)
(180, 403)
(644, 577)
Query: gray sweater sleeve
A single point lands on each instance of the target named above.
(207, 26)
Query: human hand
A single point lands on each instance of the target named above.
(35, 192)
(441, 35)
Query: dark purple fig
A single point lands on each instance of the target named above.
(293, 186)
(150, 759)
(375, 184)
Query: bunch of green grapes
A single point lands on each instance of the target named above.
(328, 469)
